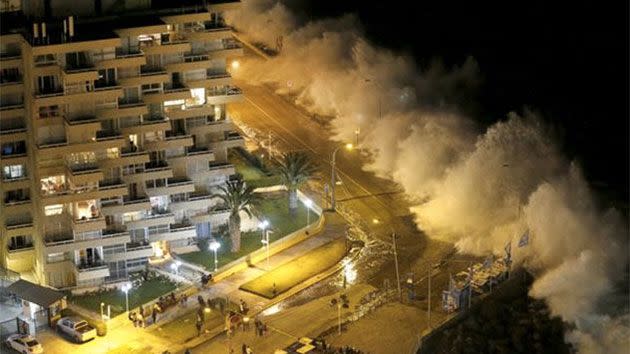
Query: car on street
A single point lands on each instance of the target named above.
(76, 328)
(24, 343)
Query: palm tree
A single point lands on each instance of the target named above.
(295, 169)
(237, 197)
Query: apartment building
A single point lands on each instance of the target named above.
(114, 132)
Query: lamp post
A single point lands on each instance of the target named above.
(265, 236)
(125, 288)
(332, 173)
(175, 267)
(309, 204)
(214, 246)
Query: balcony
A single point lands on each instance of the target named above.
(11, 84)
(218, 169)
(127, 205)
(16, 132)
(173, 233)
(148, 75)
(153, 219)
(152, 170)
(170, 93)
(171, 186)
(225, 94)
(209, 125)
(10, 60)
(230, 49)
(21, 226)
(125, 109)
(197, 153)
(213, 79)
(77, 73)
(177, 112)
(232, 139)
(149, 125)
(126, 157)
(108, 93)
(90, 271)
(67, 243)
(123, 58)
(105, 190)
(171, 47)
(133, 251)
(173, 140)
(88, 224)
(193, 202)
(190, 62)
(214, 217)
(16, 200)
(82, 174)
(82, 126)
(209, 32)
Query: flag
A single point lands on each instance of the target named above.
(524, 239)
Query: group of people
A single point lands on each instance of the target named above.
(261, 328)
(246, 349)
(140, 316)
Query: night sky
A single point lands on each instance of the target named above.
(566, 60)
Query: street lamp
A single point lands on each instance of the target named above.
(348, 147)
(125, 288)
(376, 221)
(309, 204)
(235, 64)
(175, 266)
(265, 234)
(214, 246)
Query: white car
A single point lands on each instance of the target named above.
(24, 343)
(76, 328)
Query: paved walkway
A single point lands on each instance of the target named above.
(125, 338)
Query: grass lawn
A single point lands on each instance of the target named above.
(182, 329)
(274, 208)
(149, 290)
(298, 270)
(252, 174)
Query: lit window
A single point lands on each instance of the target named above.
(55, 209)
(174, 103)
(13, 171)
(198, 97)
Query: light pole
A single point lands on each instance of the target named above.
(214, 246)
(309, 204)
(125, 288)
(396, 264)
(175, 267)
(332, 173)
(265, 236)
(339, 315)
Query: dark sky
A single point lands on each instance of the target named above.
(565, 59)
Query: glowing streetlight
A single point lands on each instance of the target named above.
(125, 288)
(214, 246)
(309, 204)
(348, 147)
(235, 64)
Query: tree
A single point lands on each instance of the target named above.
(237, 197)
(295, 169)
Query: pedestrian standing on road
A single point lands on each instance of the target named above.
(264, 329)
(132, 318)
(198, 325)
(248, 350)
(241, 305)
(244, 349)
(154, 315)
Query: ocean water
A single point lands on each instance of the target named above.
(566, 60)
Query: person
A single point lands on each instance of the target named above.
(244, 349)
(264, 329)
(249, 350)
(187, 351)
(273, 290)
(140, 320)
(241, 306)
(154, 314)
(132, 318)
(198, 325)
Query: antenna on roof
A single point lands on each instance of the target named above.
(44, 38)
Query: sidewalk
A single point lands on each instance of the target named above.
(124, 338)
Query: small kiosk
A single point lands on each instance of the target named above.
(41, 306)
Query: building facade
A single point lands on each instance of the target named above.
(113, 132)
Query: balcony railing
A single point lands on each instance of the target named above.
(10, 79)
(103, 135)
(20, 248)
(86, 266)
(122, 53)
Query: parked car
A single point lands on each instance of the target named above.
(24, 343)
(76, 328)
